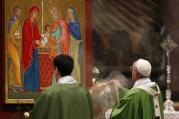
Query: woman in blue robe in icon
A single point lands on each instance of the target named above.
(75, 41)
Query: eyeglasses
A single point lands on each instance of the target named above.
(132, 68)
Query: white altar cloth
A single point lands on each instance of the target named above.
(167, 115)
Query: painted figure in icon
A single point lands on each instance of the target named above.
(14, 50)
(75, 40)
(60, 32)
(30, 40)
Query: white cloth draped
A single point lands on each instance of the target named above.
(67, 80)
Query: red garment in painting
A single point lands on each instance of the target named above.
(30, 33)
(65, 37)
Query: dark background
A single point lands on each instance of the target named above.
(124, 31)
(127, 31)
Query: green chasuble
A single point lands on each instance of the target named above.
(136, 104)
(64, 101)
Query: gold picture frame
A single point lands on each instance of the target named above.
(19, 94)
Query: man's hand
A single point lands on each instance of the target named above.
(57, 42)
(17, 35)
(79, 41)
(42, 36)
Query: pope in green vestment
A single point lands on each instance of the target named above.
(66, 99)
(136, 104)
(144, 100)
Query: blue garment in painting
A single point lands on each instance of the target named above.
(31, 76)
(11, 21)
(80, 53)
(74, 28)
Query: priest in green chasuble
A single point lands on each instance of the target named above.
(65, 100)
(144, 100)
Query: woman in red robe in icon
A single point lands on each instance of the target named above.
(30, 40)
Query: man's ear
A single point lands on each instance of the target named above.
(57, 74)
(56, 69)
(138, 75)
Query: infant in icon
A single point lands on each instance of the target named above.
(46, 36)
(49, 42)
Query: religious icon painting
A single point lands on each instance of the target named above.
(35, 32)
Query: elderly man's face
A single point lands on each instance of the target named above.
(19, 12)
(70, 15)
(134, 72)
